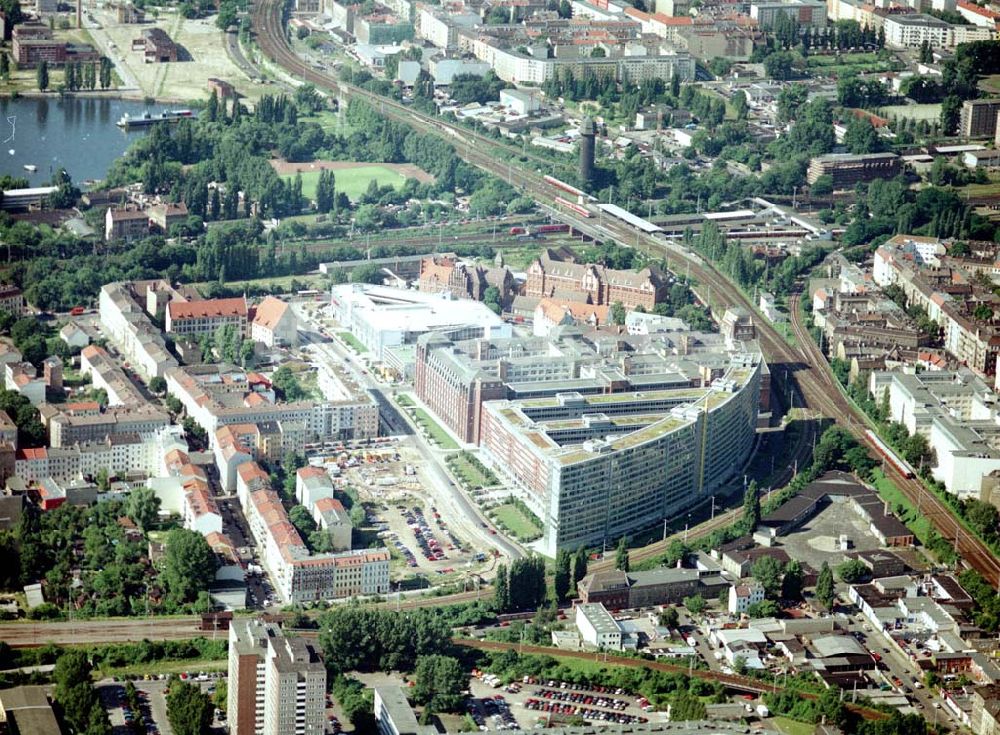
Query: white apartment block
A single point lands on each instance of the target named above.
(911, 31)
(957, 413)
(131, 330)
(294, 688)
(743, 595)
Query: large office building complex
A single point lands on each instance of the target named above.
(277, 683)
(604, 450)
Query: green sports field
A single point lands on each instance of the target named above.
(352, 181)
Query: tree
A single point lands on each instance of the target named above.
(778, 65)
(563, 575)
(439, 685)
(694, 604)
(221, 697)
(526, 583)
(824, 586)
(852, 571)
(791, 582)
(174, 405)
(565, 9)
(501, 591)
(617, 313)
(579, 566)
(669, 617)
(861, 137)
(621, 555)
(189, 564)
(42, 75)
(767, 570)
(142, 506)
(188, 708)
(4, 66)
(951, 112)
(367, 273)
(763, 609)
(751, 507)
(685, 706)
(158, 384)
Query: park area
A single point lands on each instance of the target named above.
(516, 522)
(351, 177)
(470, 471)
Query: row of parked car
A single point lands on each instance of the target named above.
(574, 697)
(587, 713)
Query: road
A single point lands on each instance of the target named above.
(447, 494)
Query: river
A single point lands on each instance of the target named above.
(78, 134)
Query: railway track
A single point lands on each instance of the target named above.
(970, 548)
(804, 365)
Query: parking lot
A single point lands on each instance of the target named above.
(527, 703)
(152, 711)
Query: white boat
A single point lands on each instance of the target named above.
(30, 167)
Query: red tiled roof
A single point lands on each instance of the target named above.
(207, 308)
(269, 312)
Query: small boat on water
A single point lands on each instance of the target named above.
(30, 167)
(146, 119)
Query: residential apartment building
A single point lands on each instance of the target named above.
(550, 276)
(277, 683)
(300, 576)
(274, 324)
(807, 13)
(205, 317)
(11, 299)
(847, 169)
(72, 423)
(743, 595)
(125, 223)
(979, 118)
(314, 490)
(944, 288)
(123, 315)
(986, 710)
(597, 467)
(903, 30)
(216, 396)
(294, 688)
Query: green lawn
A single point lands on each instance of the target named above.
(353, 342)
(793, 727)
(470, 474)
(351, 181)
(919, 524)
(516, 521)
(434, 430)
